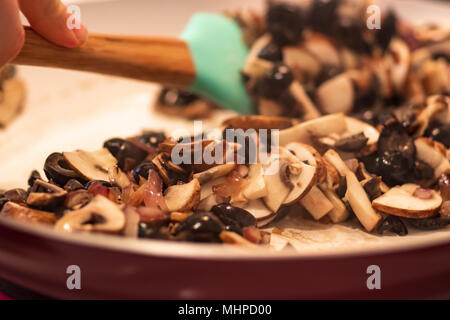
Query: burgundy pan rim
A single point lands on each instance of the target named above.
(220, 251)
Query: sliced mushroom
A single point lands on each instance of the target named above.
(91, 165)
(320, 127)
(434, 154)
(437, 106)
(19, 212)
(316, 203)
(401, 201)
(256, 186)
(118, 177)
(399, 61)
(309, 156)
(44, 194)
(132, 218)
(277, 190)
(339, 213)
(306, 107)
(336, 95)
(258, 209)
(78, 198)
(355, 194)
(214, 172)
(183, 197)
(302, 63)
(100, 215)
(254, 66)
(323, 49)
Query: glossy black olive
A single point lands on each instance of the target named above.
(275, 82)
(176, 97)
(271, 52)
(285, 22)
(440, 132)
(127, 153)
(200, 227)
(433, 223)
(397, 153)
(150, 230)
(387, 31)
(233, 218)
(73, 185)
(142, 170)
(392, 224)
(58, 170)
(35, 175)
(152, 138)
(353, 143)
(16, 195)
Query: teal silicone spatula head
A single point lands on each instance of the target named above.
(219, 54)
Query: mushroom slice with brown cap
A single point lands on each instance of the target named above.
(434, 154)
(405, 201)
(437, 106)
(336, 94)
(91, 165)
(100, 215)
(44, 194)
(320, 127)
(258, 122)
(356, 195)
(76, 199)
(19, 212)
(183, 197)
(309, 156)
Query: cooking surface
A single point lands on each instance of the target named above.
(69, 110)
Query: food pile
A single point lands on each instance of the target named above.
(309, 58)
(362, 119)
(12, 95)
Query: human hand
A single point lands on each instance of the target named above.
(47, 17)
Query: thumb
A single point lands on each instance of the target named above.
(11, 31)
(49, 18)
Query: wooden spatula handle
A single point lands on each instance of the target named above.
(161, 60)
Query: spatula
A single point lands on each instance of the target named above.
(206, 60)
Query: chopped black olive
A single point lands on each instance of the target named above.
(285, 22)
(128, 155)
(372, 188)
(353, 143)
(323, 13)
(176, 97)
(142, 170)
(152, 138)
(200, 227)
(392, 224)
(233, 218)
(275, 83)
(440, 132)
(58, 170)
(271, 52)
(433, 223)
